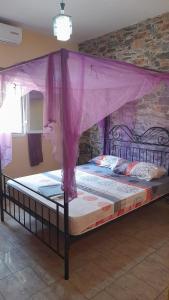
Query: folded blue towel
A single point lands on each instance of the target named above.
(50, 190)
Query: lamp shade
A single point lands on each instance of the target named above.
(62, 27)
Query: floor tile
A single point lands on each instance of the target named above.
(62, 290)
(153, 273)
(160, 259)
(164, 295)
(48, 272)
(114, 262)
(90, 280)
(103, 296)
(4, 270)
(119, 261)
(1, 297)
(11, 289)
(82, 258)
(151, 238)
(5, 245)
(163, 251)
(134, 249)
(30, 281)
(129, 287)
(15, 259)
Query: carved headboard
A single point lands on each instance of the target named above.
(149, 146)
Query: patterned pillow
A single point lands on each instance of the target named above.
(142, 170)
(121, 167)
(147, 171)
(108, 161)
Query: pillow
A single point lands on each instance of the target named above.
(121, 166)
(108, 161)
(147, 171)
(142, 170)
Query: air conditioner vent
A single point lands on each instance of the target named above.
(10, 34)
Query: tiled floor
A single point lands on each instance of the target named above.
(126, 260)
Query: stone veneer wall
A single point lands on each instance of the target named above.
(145, 44)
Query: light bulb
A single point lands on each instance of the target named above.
(62, 27)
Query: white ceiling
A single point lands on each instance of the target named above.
(91, 18)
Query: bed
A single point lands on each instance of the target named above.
(101, 197)
(73, 84)
(37, 201)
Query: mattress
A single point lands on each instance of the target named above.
(101, 196)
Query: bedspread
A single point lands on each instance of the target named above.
(102, 195)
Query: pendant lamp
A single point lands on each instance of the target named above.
(62, 25)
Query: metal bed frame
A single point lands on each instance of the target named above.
(35, 216)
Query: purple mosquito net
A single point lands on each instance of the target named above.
(79, 91)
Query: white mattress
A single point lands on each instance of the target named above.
(88, 210)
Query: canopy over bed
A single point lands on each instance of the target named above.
(79, 91)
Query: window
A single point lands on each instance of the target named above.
(21, 114)
(11, 110)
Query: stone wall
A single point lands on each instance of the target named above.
(145, 44)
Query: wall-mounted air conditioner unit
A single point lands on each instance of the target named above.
(10, 34)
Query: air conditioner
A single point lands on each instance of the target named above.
(10, 34)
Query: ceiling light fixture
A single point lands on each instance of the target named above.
(62, 25)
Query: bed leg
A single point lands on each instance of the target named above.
(66, 237)
(66, 264)
(2, 215)
(1, 200)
